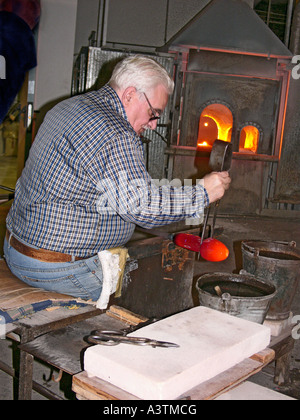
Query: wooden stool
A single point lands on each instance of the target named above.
(29, 312)
(15, 294)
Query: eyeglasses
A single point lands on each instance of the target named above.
(154, 115)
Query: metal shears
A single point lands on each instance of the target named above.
(115, 337)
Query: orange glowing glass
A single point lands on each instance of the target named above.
(213, 250)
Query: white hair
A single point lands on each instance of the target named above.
(143, 73)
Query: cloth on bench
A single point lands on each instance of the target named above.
(113, 263)
(18, 300)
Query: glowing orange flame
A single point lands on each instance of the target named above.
(215, 122)
(250, 138)
(203, 144)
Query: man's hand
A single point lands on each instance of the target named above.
(216, 183)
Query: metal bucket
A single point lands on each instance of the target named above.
(240, 295)
(279, 264)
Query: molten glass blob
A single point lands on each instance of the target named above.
(214, 250)
(211, 249)
(188, 241)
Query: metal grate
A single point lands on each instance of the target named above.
(275, 15)
(92, 70)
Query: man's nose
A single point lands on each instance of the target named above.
(152, 124)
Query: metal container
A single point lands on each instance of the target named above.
(279, 264)
(240, 295)
(158, 277)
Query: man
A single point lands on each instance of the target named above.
(85, 186)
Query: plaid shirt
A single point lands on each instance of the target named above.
(85, 185)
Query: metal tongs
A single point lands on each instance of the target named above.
(6, 197)
(219, 161)
(115, 337)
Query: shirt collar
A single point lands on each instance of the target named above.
(113, 98)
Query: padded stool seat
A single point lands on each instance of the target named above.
(17, 299)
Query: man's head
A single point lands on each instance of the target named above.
(143, 86)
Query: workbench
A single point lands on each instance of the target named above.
(56, 336)
(96, 389)
(65, 347)
(27, 330)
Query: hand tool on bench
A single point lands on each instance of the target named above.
(113, 338)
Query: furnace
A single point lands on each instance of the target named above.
(232, 84)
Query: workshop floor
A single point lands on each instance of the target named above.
(235, 230)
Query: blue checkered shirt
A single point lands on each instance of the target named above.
(85, 185)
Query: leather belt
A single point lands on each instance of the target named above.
(39, 254)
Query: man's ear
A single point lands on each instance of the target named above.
(128, 95)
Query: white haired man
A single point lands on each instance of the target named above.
(85, 185)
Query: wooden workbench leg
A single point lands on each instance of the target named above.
(283, 350)
(25, 376)
(282, 370)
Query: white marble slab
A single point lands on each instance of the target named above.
(249, 391)
(210, 343)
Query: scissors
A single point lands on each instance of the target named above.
(112, 338)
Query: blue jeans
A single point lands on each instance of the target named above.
(82, 279)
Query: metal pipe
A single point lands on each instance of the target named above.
(2, 187)
(7, 369)
(269, 12)
(40, 389)
(100, 26)
(288, 22)
(166, 22)
(295, 31)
